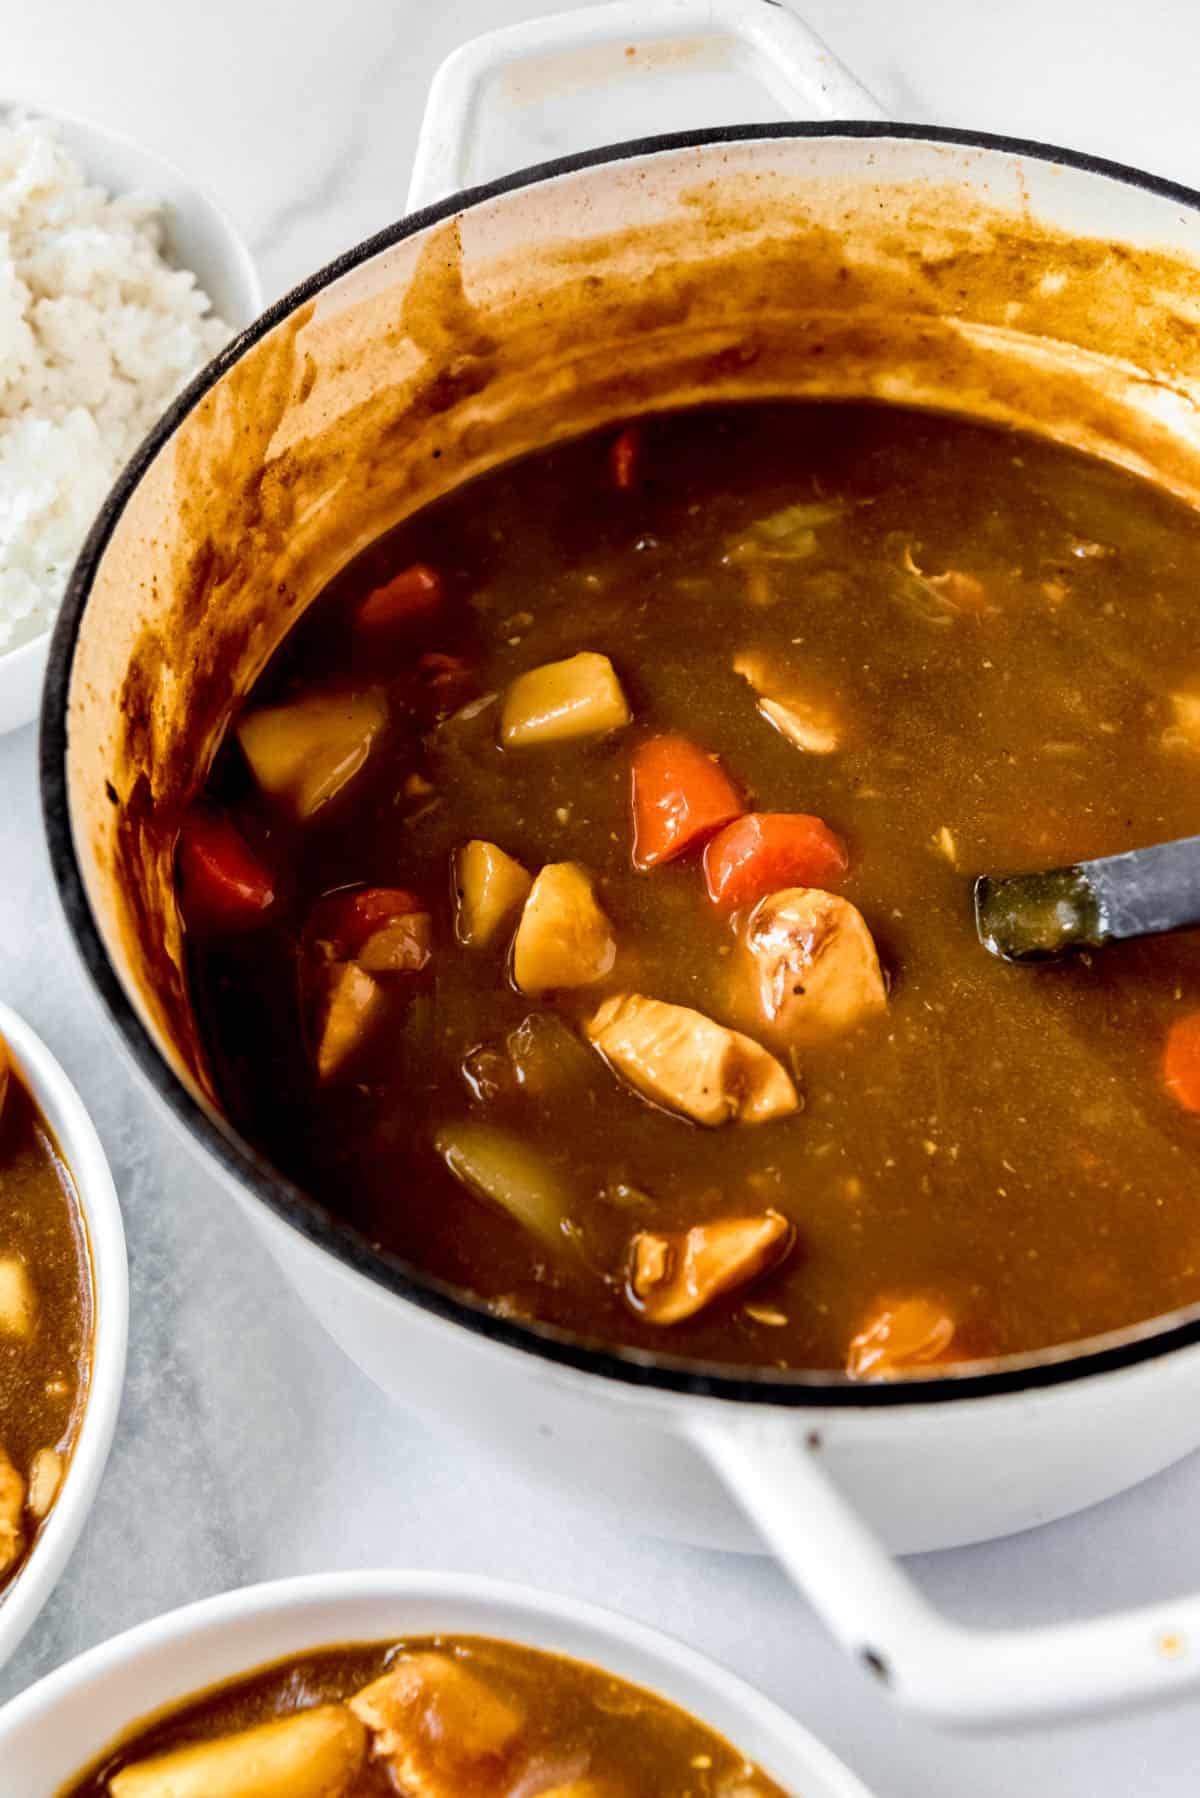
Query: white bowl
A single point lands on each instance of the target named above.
(54, 1730)
(63, 1110)
(198, 237)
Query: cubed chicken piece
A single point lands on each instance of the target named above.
(348, 1008)
(813, 963)
(442, 1730)
(580, 697)
(12, 1502)
(953, 592)
(45, 1478)
(807, 721)
(672, 1276)
(563, 939)
(1183, 732)
(317, 1753)
(18, 1302)
(489, 890)
(404, 946)
(304, 753)
(900, 1333)
(678, 1058)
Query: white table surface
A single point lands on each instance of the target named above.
(248, 1446)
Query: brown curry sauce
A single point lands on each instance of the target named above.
(999, 1145)
(45, 1326)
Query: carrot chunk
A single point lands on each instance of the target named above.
(224, 885)
(765, 851)
(680, 796)
(1181, 1061)
(625, 459)
(416, 593)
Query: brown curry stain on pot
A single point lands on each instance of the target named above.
(350, 415)
(236, 505)
(436, 316)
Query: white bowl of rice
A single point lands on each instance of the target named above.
(118, 280)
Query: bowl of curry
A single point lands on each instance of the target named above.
(364, 1684)
(63, 1313)
(517, 748)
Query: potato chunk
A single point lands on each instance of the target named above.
(348, 1007)
(682, 1060)
(18, 1301)
(305, 752)
(806, 720)
(497, 1165)
(45, 1478)
(489, 889)
(442, 1729)
(673, 1276)
(563, 939)
(317, 1753)
(814, 964)
(580, 697)
(12, 1501)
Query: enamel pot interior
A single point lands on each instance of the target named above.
(979, 277)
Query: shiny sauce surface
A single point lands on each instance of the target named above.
(45, 1320)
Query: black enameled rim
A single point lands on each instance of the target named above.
(289, 1202)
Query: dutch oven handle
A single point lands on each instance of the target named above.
(957, 1677)
(804, 77)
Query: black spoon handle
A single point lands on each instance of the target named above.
(1035, 917)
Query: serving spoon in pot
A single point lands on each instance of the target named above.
(1042, 917)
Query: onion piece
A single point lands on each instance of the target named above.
(497, 1165)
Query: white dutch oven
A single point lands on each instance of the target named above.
(59, 1726)
(998, 279)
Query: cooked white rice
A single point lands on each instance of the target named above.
(97, 333)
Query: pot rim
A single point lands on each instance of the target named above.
(287, 1201)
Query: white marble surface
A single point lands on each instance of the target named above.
(248, 1447)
